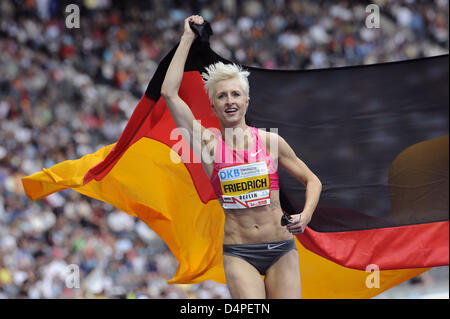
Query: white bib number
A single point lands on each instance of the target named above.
(245, 186)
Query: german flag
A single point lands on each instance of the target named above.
(376, 136)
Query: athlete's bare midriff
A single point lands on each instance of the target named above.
(255, 225)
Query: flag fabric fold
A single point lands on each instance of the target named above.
(377, 137)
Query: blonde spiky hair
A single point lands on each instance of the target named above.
(221, 71)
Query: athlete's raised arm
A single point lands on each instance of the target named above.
(180, 111)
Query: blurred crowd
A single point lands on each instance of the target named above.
(66, 92)
(120, 42)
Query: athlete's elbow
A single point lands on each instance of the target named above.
(168, 93)
(168, 89)
(318, 183)
(314, 180)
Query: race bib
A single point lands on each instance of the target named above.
(245, 186)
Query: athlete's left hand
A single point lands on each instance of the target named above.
(298, 223)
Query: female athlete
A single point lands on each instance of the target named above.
(259, 254)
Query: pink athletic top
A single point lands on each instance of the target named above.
(243, 178)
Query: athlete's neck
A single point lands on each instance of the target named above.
(238, 130)
(237, 137)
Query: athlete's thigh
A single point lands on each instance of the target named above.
(243, 280)
(283, 278)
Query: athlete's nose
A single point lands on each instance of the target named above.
(230, 99)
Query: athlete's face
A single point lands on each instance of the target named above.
(230, 102)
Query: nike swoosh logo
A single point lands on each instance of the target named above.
(254, 154)
(270, 246)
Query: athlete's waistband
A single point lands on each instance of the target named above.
(261, 245)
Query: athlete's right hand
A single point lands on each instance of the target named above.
(187, 29)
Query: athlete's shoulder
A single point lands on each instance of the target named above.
(265, 134)
(268, 138)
